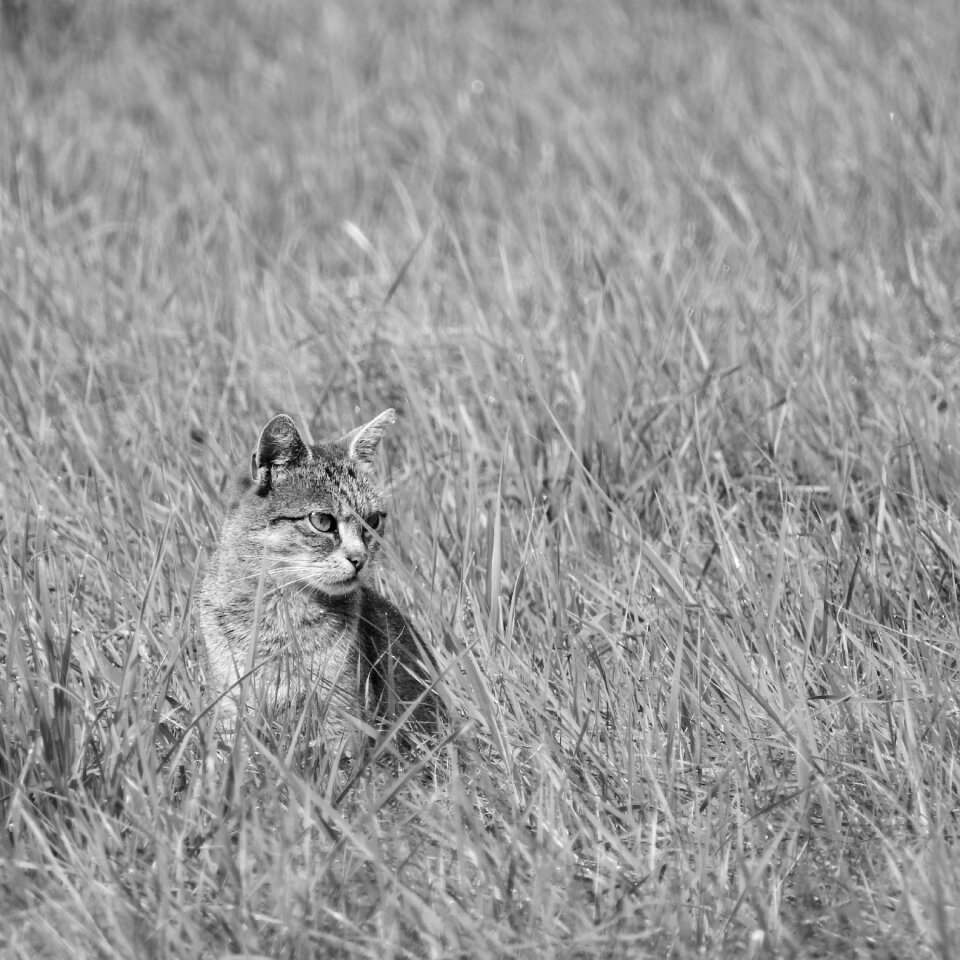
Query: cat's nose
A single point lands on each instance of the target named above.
(358, 562)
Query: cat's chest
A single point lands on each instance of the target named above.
(304, 647)
(301, 623)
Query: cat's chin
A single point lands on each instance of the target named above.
(343, 588)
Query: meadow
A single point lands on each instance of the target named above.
(665, 295)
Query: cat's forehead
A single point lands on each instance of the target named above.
(332, 478)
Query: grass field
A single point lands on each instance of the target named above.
(666, 296)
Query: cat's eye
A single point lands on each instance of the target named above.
(373, 521)
(322, 522)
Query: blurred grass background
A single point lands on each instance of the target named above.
(666, 295)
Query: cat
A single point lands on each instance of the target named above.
(285, 613)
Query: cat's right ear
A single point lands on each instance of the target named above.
(279, 447)
(362, 442)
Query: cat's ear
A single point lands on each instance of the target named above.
(279, 446)
(362, 443)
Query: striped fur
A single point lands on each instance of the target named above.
(284, 611)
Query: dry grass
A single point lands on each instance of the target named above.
(666, 293)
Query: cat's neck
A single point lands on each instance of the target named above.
(295, 603)
(309, 599)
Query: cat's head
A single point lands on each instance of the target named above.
(312, 515)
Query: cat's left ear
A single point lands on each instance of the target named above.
(362, 442)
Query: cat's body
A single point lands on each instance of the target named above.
(284, 612)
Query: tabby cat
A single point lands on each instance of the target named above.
(286, 616)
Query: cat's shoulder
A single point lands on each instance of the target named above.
(380, 616)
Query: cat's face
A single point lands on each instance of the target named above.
(311, 516)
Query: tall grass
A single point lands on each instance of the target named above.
(666, 294)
